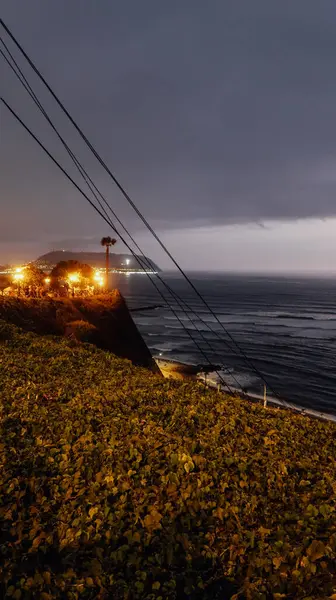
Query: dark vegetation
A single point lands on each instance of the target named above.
(32, 277)
(108, 322)
(115, 483)
(67, 267)
(5, 282)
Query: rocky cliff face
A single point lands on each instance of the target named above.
(102, 320)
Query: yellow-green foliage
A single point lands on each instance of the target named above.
(115, 483)
(83, 331)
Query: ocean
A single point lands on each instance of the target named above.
(286, 326)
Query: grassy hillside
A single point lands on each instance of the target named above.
(115, 483)
(102, 320)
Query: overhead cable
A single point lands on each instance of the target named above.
(20, 75)
(105, 219)
(132, 204)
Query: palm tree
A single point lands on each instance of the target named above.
(107, 242)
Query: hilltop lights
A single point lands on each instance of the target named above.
(74, 277)
(18, 276)
(98, 278)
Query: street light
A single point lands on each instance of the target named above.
(73, 277)
(18, 277)
(47, 280)
(98, 278)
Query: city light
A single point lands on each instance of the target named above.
(127, 261)
(47, 280)
(98, 278)
(18, 276)
(73, 277)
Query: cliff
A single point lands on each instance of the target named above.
(103, 321)
(95, 259)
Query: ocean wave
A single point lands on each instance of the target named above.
(287, 331)
(306, 318)
(294, 316)
(302, 317)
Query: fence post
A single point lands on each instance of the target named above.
(265, 397)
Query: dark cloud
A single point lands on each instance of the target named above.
(209, 112)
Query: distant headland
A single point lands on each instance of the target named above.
(117, 262)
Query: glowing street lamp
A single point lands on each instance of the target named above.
(18, 278)
(98, 279)
(73, 277)
(97, 276)
(47, 280)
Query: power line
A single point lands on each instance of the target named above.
(241, 351)
(107, 221)
(132, 204)
(85, 175)
(20, 75)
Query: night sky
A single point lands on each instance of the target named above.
(218, 117)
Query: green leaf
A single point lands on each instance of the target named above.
(316, 550)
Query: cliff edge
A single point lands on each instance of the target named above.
(102, 320)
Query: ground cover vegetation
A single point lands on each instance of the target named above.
(103, 320)
(116, 483)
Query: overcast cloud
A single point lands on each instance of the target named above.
(211, 113)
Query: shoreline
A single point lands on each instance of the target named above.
(178, 370)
